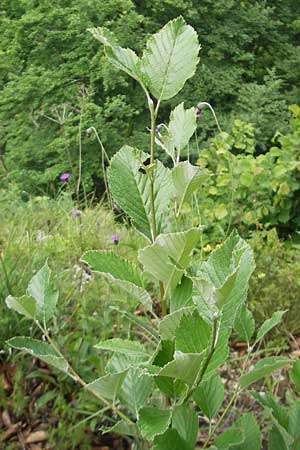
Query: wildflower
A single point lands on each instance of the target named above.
(64, 176)
(116, 238)
(75, 213)
(207, 248)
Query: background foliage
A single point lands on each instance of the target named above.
(55, 82)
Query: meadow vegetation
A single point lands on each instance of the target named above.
(152, 291)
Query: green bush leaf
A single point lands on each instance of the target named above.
(187, 179)
(269, 324)
(107, 386)
(170, 440)
(185, 422)
(168, 325)
(135, 390)
(295, 375)
(192, 334)
(39, 350)
(45, 297)
(122, 273)
(24, 305)
(209, 396)
(122, 428)
(170, 58)
(123, 58)
(184, 367)
(153, 421)
(264, 368)
(228, 270)
(168, 257)
(123, 346)
(131, 188)
(244, 324)
(243, 435)
(182, 295)
(276, 441)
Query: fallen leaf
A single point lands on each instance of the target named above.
(36, 436)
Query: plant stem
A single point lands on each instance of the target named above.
(76, 377)
(152, 161)
(205, 365)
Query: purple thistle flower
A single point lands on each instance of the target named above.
(116, 238)
(75, 213)
(64, 176)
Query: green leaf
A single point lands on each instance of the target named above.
(228, 270)
(122, 273)
(231, 439)
(182, 295)
(170, 58)
(39, 350)
(168, 325)
(294, 424)
(209, 396)
(187, 179)
(185, 422)
(123, 346)
(295, 375)
(184, 367)
(122, 428)
(182, 126)
(168, 257)
(122, 58)
(244, 324)
(107, 386)
(192, 334)
(135, 390)
(271, 404)
(275, 440)
(269, 324)
(170, 440)
(243, 435)
(24, 305)
(264, 368)
(131, 188)
(162, 356)
(153, 421)
(46, 298)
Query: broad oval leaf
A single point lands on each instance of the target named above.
(153, 421)
(264, 368)
(168, 257)
(123, 58)
(39, 350)
(131, 189)
(45, 296)
(209, 396)
(122, 273)
(187, 179)
(182, 126)
(184, 367)
(244, 324)
(170, 58)
(192, 334)
(170, 440)
(123, 346)
(24, 305)
(185, 422)
(107, 386)
(269, 324)
(182, 295)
